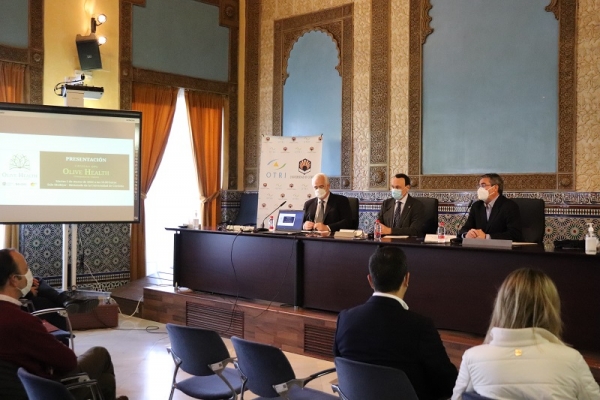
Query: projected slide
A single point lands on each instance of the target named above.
(60, 167)
(65, 177)
(84, 171)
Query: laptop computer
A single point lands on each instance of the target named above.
(289, 221)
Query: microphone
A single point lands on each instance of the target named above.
(462, 222)
(262, 226)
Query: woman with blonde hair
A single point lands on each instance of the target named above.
(522, 356)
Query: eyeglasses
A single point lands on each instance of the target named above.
(319, 187)
(484, 185)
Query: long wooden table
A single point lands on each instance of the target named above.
(454, 286)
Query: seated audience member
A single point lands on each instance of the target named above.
(494, 216)
(402, 214)
(523, 356)
(326, 211)
(384, 332)
(26, 342)
(44, 296)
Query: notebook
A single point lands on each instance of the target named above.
(289, 221)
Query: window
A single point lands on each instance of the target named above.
(173, 197)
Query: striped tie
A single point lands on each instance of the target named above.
(397, 213)
(321, 212)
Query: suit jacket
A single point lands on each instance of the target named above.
(382, 332)
(337, 212)
(504, 222)
(411, 219)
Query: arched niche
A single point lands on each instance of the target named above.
(312, 95)
(337, 23)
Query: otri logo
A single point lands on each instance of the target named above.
(275, 164)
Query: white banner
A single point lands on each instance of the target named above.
(287, 165)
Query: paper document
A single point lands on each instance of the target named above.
(433, 238)
(396, 237)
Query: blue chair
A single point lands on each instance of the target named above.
(248, 209)
(39, 388)
(202, 353)
(361, 381)
(533, 219)
(267, 373)
(354, 209)
(430, 214)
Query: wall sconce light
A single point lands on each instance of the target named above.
(88, 47)
(96, 22)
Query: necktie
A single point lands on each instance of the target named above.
(488, 210)
(321, 212)
(397, 213)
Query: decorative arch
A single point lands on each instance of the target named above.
(338, 24)
(289, 46)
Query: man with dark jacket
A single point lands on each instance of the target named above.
(384, 332)
(494, 216)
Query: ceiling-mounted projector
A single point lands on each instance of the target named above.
(89, 92)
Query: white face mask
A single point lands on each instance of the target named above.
(29, 277)
(320, 193)
(482, 194)
(397, 194)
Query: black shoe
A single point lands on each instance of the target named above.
(80, 306)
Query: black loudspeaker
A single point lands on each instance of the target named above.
(88, 51)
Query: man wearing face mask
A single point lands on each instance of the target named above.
(494, 216)
(402, 214)
(26, 342)
(326, 211)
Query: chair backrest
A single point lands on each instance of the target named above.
(39, 388)
(197, 348)
(474, 396)
(248, 209)
(354, 209)
(533, 219)
(263, 365)
(358, 380)
(430, 222)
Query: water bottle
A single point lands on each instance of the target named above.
(441, 232)
(377, 231)
(591, 241)
(196, 221)
(271, 223)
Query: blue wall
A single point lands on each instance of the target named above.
(181, 37)
(14, 23)
(312, 96)
(490, 69)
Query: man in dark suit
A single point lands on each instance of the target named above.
(402, 214)
(384, 332)
(326, 211)
(494, 216)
